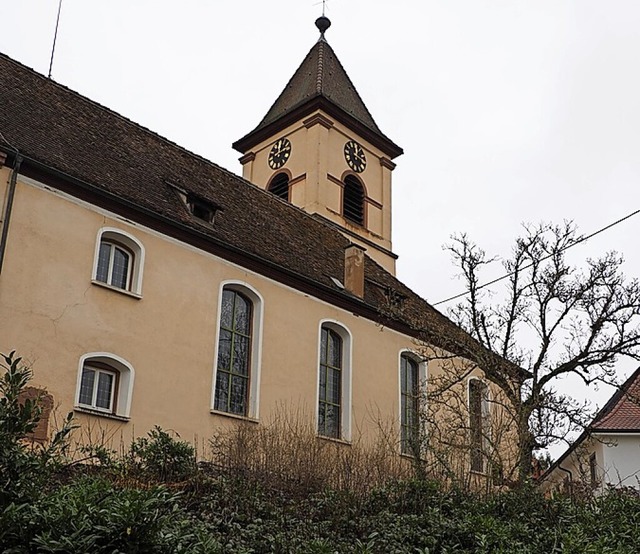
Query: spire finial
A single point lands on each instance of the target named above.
(323, 23)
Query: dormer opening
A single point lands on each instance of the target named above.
(280, 186)
(201, 209)
(353, 200)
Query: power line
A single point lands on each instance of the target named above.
(507, 275)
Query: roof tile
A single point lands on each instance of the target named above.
(77, 137)
(622, 412)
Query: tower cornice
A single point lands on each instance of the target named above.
(307, 107)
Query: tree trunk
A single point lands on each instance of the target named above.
(525, 449)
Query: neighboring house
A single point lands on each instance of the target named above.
(148, 286)
(607, 453)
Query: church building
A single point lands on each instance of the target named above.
(146, 286)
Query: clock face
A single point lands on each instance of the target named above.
(280, 153)
(354, 155)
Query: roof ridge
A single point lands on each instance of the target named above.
(355, 90)
(320, 69)
(273, 104)
(84, 98)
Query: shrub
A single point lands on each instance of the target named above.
(24, 466)
(287, 453)
(267, 497)
(162, 457)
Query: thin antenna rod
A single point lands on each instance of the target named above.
(324, 3)
(55, 36)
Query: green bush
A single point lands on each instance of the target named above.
(24, 467)
(162, 457)
(159, 501)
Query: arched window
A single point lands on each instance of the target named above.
(353, 200)
(237, 364)
(479, 424)
(409, 404)
(334, 394)
(119, 260)
(105, 384)
(280, 186)
(114, 265)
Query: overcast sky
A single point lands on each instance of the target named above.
(508, 111)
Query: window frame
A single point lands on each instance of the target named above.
(481, 450)
(421, 370)
(255, 349)
(119, 239)
(111, 266)
(345, 382)
(121, 387)
(593, 470)
(98, 371)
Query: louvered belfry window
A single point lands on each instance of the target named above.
(353, 200)
(280, 186)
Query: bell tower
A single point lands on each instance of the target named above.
(319, 148)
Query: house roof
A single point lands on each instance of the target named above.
(320, 82)
(622, 411)
(84, 149)
(621, 414)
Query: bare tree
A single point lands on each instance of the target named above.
(465, 432)
(551, 319)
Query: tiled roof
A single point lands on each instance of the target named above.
(320, 76)
(622, 412)
(90, 150)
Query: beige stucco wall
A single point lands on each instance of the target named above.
(316, 168)
(52, 314)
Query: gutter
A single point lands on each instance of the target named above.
(6, 219)
(200, 239)
(570, 487)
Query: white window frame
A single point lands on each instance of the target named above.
(124, 376)
(135, 249)
(255, 361)
(113, 247)
(347, 376)
(422, 384)
(97, 371)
